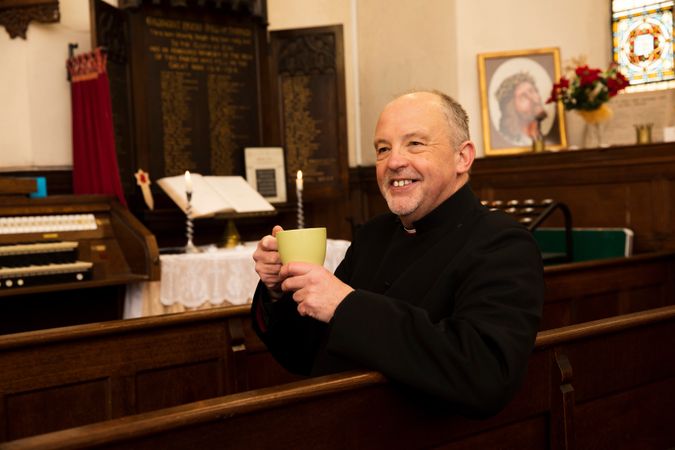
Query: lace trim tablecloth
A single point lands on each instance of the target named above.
(219, 276)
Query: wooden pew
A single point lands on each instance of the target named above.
(591, 290)
(575, 396)
(63, 377)
(103, 371)
(618, 380)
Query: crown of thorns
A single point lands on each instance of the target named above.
(506, 88)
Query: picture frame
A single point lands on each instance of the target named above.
(265, 172)
(514, 87)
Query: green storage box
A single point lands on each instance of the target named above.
(587, 243)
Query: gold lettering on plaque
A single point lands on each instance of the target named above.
(197, 58)
(300, 129)
(176, 94)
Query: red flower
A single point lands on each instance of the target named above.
(622, 80)
(588, 88)
(558, 89)
(616, 84)
(586, 75)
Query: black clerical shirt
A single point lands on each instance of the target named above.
(450, 311)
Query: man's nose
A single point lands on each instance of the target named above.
(398, 158)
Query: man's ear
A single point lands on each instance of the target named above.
(465, 156)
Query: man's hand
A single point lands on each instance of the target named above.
(316, 291)
(268, 263)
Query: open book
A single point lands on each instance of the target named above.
(215, 194)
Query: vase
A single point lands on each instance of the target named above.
(594, 121)
(643, 133)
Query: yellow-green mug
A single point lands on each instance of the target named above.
(302, 245)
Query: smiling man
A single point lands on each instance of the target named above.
(441, 295)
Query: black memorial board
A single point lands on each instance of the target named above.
(194, 86)
(310, 84)
(202, 92)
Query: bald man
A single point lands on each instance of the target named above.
(441, 295)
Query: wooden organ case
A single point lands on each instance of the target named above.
(66, 260)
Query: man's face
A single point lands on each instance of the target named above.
(416, 163)
(527, 101)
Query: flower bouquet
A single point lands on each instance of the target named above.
(587, 90)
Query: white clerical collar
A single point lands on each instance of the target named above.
(410, 230)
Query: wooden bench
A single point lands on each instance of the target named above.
(591, 290)
(63, 377)
(103, 371)
(607, 384)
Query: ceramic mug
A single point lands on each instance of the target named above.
(302, 245)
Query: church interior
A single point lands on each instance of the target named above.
(146, 146)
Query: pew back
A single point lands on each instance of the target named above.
(592, 290)
(562, 390)
(59, 378)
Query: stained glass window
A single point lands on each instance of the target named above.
(642, 37)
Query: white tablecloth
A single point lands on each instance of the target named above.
(216, 276)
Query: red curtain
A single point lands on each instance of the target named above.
(95, 169)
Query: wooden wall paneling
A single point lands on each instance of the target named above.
(59, 182)
(110, 29)
(365, 197)
(17, 185)
(627, 186)
(308, 66)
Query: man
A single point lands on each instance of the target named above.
(520, 105)
(442, 295)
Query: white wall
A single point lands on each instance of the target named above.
(35, 117)
(390, 46)
(575, 26)
(403, 45)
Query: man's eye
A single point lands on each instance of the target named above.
(416, 143)
(381, 153)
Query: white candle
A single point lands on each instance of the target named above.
(298, 181)
(188, 182)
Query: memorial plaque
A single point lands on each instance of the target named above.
(202, 90)
(310, 84)
(195, 82)
(193, 78)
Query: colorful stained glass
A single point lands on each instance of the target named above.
(642, 34)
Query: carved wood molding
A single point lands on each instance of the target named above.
(15, 15)
(308, 54)
(253, 8)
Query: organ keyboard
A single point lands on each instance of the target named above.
(69, 257)
(30, 264)
(52, 223)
